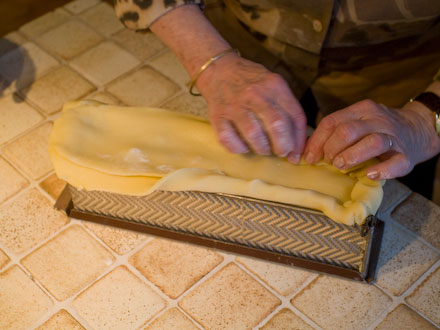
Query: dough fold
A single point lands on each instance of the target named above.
(136, 150)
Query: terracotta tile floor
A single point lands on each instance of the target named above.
(62, 273)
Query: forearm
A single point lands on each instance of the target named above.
(187, 32)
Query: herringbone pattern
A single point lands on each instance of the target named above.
(263, 225)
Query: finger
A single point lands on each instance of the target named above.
(347, 134)
(228, 136)
(278, 127)
(370, 146)
(396, 166)
(293, 158)
(298, 121)
(252, 131)
(314, 150)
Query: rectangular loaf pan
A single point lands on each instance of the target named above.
(271, 231)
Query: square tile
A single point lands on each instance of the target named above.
(15, 118)
(145, 87)
(104, 63)
(231, 299)
(62, 320)
(119, 240)
(25, 64)
(189, 104)
(170, 66)
(78, 6)
(102, 18)
(53, 185)
(402, 260)
(143, 45)
(27, 220)
(403, 318)
(426, 297)
(22, 302)
(56, 88)
(421, 216)
(335, 303)
(285, 319)
(69, 39)
(44, 23)
(283, 279)
(172, 319)
(173, 266)
(30, 152)
(10, 181)
(103, 97)
(4, 259)
(76, 259)
(394, 193)
(11, 41)
(118, 301)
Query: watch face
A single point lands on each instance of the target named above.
(437, 122)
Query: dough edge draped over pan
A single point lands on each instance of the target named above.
(138, 150)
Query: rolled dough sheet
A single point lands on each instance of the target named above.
(136, 150)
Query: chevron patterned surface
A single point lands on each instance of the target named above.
(263, 225)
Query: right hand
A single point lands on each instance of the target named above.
(253, 108)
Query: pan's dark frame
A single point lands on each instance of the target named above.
(376, 226)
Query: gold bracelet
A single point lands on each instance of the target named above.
(206, 65)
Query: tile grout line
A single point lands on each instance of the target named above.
(303, 315)
(285, 300)
(226, 261)
(45, 119)
(31, 184)
(158, 315)
(414, 235)
(123, 260)
(28, 181)
(32, 38)
(140, 246)
(190, 317)
(25, 132)
(401, 299)
(35, 183)
(421, 315)
(286, 304)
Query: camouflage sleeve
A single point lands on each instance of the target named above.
(140, 14)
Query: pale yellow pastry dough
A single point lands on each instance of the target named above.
(136, 150)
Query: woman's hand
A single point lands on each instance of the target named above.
(251, 107)
(399, 138)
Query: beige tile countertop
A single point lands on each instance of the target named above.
(62, 273)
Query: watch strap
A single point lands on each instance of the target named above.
(432, 102)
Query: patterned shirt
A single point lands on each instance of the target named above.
(314, 31)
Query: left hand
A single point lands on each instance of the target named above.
(399, 138)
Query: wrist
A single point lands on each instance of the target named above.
(193, 43)
(210, 77)
(423, 120)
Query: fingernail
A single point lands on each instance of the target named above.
(284, 154)
(294, 158)
(309, 157)
(240, 149)
(373, 175)
(339, 162)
